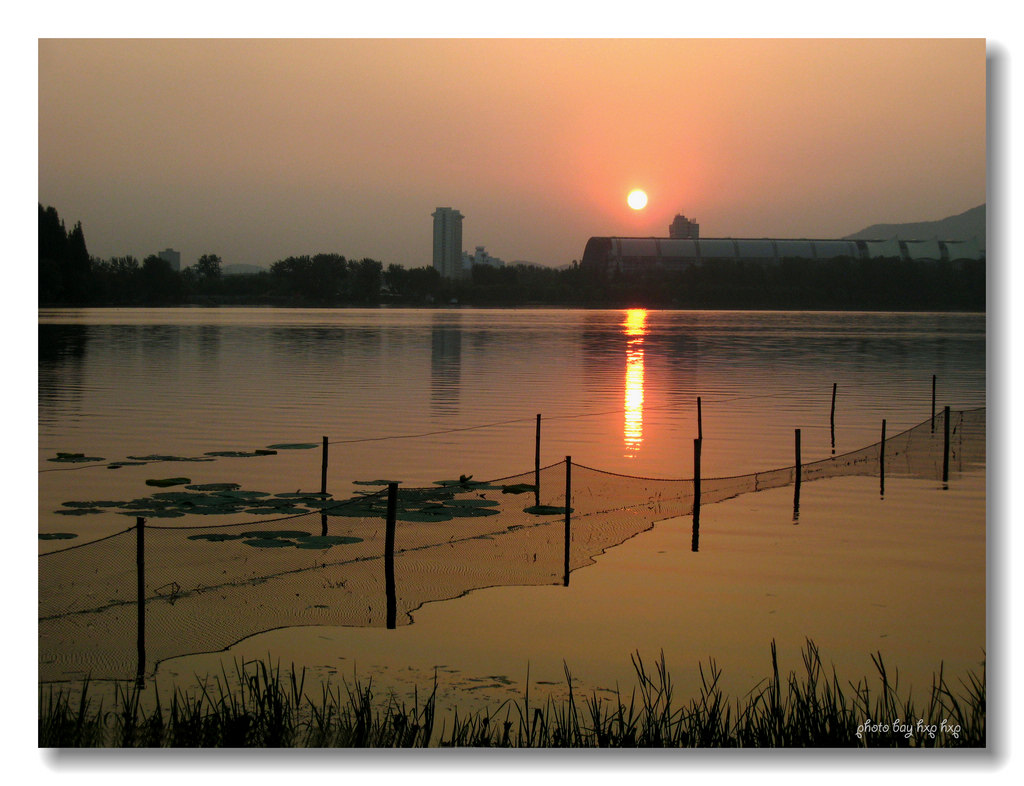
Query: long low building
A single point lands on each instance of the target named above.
(626, 254)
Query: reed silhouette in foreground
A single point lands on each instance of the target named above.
(261, 707)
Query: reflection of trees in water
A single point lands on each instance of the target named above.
(62, 354)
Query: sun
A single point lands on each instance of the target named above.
(637, 199)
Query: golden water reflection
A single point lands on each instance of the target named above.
(635, 328)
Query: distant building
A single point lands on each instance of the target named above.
(683, 228)
(172, 257)
(480, 257)
(448, 242)
(635, 254)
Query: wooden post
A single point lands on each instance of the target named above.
(700, 421)
(323, 469)
(881, 462)
(945, 446)
(832, 418)
(933, 403)
(536, 465)
(568, 499)
(695, 540)
(389, 556)
(798, 471)
(140, 570)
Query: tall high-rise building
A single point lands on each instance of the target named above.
(448, 242)
(683, 228)
(172, 257)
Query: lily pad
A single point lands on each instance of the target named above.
(74, 458)
(215, 537)
(325, 541)
(275, 511)
(375, 482)
(518, 488)
(425, 515)
(466, 513)
(273, 535)
(213, 487)
(240, 453)
(93, 504)
(56, 535)
(293, 446)
(77, 511)
(241, 495)
(119, 464)
(473, 503)
(268, 543)
(545, 510)
(164, 482)
(465, 481)
(154, 513)
(158, 457)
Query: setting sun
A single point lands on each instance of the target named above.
(637, 199)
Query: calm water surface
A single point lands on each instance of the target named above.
(401, 393)
(421, 395)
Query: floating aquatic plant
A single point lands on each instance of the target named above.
(545, 510)
(268, 543)
(213, 487)
(153, 513)
(278, 534)
(240, 453)
(284, 510)
(73, 458)
(215, 537)
(293, 446)
(56, 535)
(325, 541)
(518, 488)
(157, 457)
(164, 482)
(473, 503)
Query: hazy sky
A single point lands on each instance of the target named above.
(259, 149)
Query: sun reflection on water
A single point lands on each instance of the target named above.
(635, 328)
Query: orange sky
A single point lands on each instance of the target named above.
(256, 150)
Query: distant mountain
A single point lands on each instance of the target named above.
(967, 225)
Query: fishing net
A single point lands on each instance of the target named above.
(207, 587)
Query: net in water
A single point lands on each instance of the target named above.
(205, 588)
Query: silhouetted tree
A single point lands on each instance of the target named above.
(64, 264)
(208, 268)
(161, 285)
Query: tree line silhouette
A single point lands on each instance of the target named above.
(68, 275)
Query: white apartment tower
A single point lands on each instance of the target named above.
(448, 242)
(172, 257)
(683, 228)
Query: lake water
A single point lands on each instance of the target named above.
(421, 395)
(616, 390)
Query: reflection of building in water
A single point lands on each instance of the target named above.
(635, 327)
(445, 367)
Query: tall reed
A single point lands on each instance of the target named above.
(260, 707)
